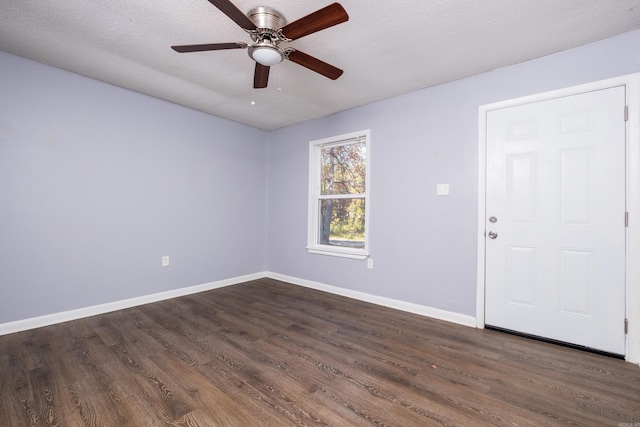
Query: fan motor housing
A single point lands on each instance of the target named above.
(266, 18)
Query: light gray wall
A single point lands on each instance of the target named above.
(98, 182)
(424, 246)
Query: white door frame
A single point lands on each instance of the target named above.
(632, 83)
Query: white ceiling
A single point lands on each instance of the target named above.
(387, 48)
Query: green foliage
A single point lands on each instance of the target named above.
(347, 218)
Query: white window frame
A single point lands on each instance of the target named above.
(313, 228)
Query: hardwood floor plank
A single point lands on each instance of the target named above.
(9, 403)
(213, 406)
(220, 349)
(21, 395)
(273, 354)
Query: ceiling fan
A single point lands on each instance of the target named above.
(267, 30)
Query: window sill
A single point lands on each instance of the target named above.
(343, 253)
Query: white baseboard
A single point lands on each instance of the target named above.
(65, 316)
(422, 310)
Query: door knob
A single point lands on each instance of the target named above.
(493, 234)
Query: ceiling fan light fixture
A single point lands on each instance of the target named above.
(267, 29)
(266, 53)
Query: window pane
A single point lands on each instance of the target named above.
(342, 222)
(343, 169)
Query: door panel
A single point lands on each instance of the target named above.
(521, 276)
(577, 294)
(556, 185)
(576, 172)
(522, 191)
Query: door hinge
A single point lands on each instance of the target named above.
(626, 326)
(626, 219)
(626, 113)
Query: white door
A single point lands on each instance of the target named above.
(555, 209)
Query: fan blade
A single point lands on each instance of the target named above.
(326, 17)
(314, 64)
(261, 76)
(204, 47)
(234, 13)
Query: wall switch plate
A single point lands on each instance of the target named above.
(370, 264)
(165, 261)
(442, 189)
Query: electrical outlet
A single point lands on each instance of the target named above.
(165, 261)
(370, 264)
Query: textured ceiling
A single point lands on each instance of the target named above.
(387, 48)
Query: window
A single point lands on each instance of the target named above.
(339, 196)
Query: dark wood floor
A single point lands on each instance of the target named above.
(266, 353)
